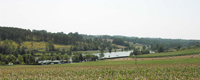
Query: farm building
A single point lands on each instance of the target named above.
(46, 62)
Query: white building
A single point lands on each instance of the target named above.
(45, 62)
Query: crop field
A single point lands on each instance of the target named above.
(128, 72)
(107, 70)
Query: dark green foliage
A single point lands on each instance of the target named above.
(110, 49)
(94, 58)
(52, 54)
(118, 41)
(80, 57)
(19, 41)
(63, 51)
(154, 42)
(178, 48)
(14, 33)
(23, 50)
(136, 51)
(75, 58)
(19, 35)
(144, 47)
(50, 46)
(28, 59)
(2, 63)
(145, 51)
(126, 44)
(58, 57)
(1, 56)
(161, 49)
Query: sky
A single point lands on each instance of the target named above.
(175, 19)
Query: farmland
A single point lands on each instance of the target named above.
(175, 59)
(187, 68)
(168, 54)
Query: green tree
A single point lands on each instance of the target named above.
(80, 57)
(42, 57)
(101, 55)
(161, 49)
(118, 41)
(144, 47)
(88, 56)
(50, 46)
(110, 49)
(19, 41)
(136, 51)
(1, 56)
(58, 57)
(145, 51)
(66, 57)
(178, 48)
(10, 58)
(63, 51)
(20, 59)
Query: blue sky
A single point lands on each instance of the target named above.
(176, 19)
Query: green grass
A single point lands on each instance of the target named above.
(129, 62)
(132, 62)
(176, 53)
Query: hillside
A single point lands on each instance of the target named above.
(17, 43)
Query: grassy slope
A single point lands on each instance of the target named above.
(163, 61)
(40, 45)
(131, 62)
(176, 53)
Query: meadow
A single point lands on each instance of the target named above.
(168, 54)
(169, 69)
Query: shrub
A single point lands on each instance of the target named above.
(2, 63)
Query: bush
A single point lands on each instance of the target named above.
(145, 51)
(2, 63)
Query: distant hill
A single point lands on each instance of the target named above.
(150, 41)
(72, 38)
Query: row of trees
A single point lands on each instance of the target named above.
(38, 35)
(80, 58)
(136, 51)
(120, 41)
(20, 59)
(155, 42)
(54, 57)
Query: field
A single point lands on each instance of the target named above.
(172, 57)
(171, 69)
(40, 45)
(154, 66)
(170, 54)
